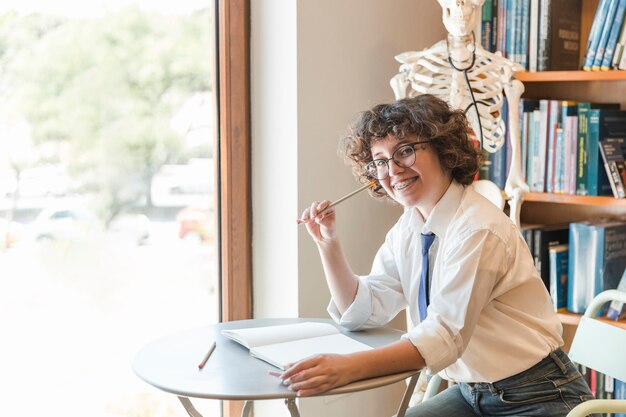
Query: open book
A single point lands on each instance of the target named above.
(288, 343)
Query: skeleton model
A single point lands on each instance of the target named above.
(470, 78)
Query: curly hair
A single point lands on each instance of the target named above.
(425, 116)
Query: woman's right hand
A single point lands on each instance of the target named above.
(320, 223)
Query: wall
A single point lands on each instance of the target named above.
(315, 65)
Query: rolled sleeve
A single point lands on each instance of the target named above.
(357, 314)
(434, 344)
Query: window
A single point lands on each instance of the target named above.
(108, 234)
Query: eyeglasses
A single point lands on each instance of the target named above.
(403, 157)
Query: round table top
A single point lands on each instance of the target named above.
(170, 363)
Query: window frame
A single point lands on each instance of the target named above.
(232, 83)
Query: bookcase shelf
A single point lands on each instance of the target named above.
(575, 199)
(573, 319)
(581, 86)
(569, 76)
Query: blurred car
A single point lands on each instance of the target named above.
(133, 227)
(10, 233)
(195, 224)
(66, 224)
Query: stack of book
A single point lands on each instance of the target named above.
(603, 387)
(607, 39)
(577, 261)
(545, 35)
(573, 147)
(540, 35)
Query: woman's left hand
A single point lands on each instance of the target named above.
(318, 374)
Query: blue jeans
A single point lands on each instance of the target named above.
(551, 388)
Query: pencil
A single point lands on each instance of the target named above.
(370, 184)
(207, 356)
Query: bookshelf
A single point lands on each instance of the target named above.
(592, 86)
(570, 76)
(603, 201)
(574, 319)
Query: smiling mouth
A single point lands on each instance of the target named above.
(401, 185)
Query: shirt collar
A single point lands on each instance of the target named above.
(444, 210)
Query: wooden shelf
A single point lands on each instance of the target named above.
(575, 199)
(573, 319)
(569, 76)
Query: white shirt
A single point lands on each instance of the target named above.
(490, 315)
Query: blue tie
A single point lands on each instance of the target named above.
(423, 299)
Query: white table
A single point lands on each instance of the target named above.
(171, 364)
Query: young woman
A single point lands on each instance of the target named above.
(484, 318)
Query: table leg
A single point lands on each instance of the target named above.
(407, 395)
(191, 410)
(292, 407)
(247, 409)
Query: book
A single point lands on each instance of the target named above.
(604, 35)
(523, 29)
(559, 35)
(596, 259)
(554, 122)
(486, 27)
(532, 35)
(594, 35)
(570, 117)
(612, 152)
(619, 48)
(289, 343)
(558, 276)
(494, 26)
(603, 124)
(599, 126)
(566, 152)
(616, 307)
(544, 238)
(583, 147)
(541, 148)
(616, 28)
(619, 393)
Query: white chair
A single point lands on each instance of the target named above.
(601, 346)
(490, 191)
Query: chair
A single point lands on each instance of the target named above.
(490, 191)
(601, 346)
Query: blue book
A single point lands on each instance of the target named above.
(583, 148)
(616, 28)
(498, 167)
(594, 35)
(580, 268)
(604, 35)
(486, 28)
(596, 261)
(517, 35)
(603, 123)
(524, 28)
(558, 259)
